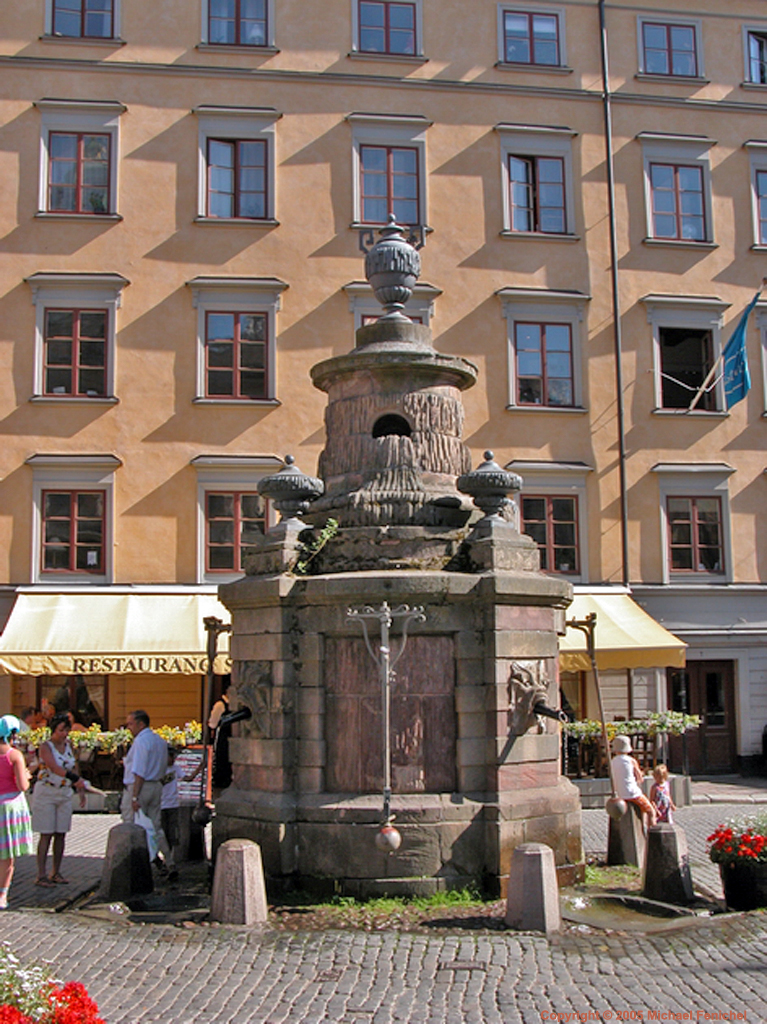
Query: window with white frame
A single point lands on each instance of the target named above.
(761, 325)
(387, 28)
(552, 506)
(236, 161)
(544, 344)
(75, 326)
(677, 177)
(757, 153)
(670, 47)
(246, 23)
(537, 180)
(72, 522)
(231, 514)
(686, 339)
(82, 19)
(755, 47)
(79, 158)
(367, 309)
(389, 169)
(531, 36)
(695, 521)
(236, 338)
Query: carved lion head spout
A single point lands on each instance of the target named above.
(528, 685)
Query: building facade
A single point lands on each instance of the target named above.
(182, 192)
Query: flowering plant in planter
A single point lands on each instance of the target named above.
(28, 995)
(739, 841)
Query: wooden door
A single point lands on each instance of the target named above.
(707, 689)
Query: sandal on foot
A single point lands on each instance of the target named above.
(58, 879)
(45, 883)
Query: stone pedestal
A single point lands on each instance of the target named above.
(666, 875)
(626, 838)
(239, 892)
(532, 903)
(126, 872)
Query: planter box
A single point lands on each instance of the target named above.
(744, 884)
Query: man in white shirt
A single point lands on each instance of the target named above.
(143, 769)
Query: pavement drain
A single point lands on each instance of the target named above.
(461, 965)
(330, 974)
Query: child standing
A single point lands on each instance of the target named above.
(169, 805)
(660, 795)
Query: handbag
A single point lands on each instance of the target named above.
(142, 819)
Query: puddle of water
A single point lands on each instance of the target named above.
(629, 913)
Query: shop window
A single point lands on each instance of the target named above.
(236, 338)
(389, 169)
(233, 521)
(83, 19)
(531, 37)
(544, 364)
(686, 357)
(537, 176)
(695, 534)
(79, 158)
(552, 521)
(669, 49)
(236, 165)
(75, 335)
(84, 696)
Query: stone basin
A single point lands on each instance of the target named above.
(629, 913)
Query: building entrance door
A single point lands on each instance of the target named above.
(705, 688)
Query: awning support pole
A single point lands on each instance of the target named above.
(588, 627)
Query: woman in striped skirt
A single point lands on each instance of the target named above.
(15, 825)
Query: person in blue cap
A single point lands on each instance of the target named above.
(15, 824)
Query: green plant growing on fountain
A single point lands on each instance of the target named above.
(312, 547)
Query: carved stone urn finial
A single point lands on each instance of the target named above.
(392, 266)
(489, 486)
(290, 490)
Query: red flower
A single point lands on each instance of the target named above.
(13, 1015)
(72, 1005)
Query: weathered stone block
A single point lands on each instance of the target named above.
(469, 699)
(469, 672)
(524, 617)
(261, 647)
(310, 780)
(310, 700)
(239, 891)
(471, 726)
(520, 644)
(626, 838)
(666, 873)
(269, 753)
(471, 751)
(126, 872)
(471, 778)
(310, 727)
(533, 893)
(526, 776)
(311, 753)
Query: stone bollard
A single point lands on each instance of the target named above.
(666, 874)
(126, 872)
(239, 891)
(532, 902)
(626, 839)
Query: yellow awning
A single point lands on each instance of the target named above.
(625, 636)
(111, 634)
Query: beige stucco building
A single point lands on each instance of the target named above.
(181, 192)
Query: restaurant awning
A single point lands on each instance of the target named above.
(111, 634)
(625, 636)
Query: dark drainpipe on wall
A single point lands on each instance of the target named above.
(607, 112)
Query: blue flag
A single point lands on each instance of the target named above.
(737, 379)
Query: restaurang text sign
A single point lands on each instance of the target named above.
(151, 664)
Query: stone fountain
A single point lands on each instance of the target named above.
(474, 759)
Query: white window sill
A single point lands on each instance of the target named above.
(256, 51)
(578, 410)
(74, 400)
(240, 402)
(759, 247)
(539, 236)
(541, 69)
(756, 86)
(84, 40)
(645, 76)
(702, 413)
(222, 577)
(389, 58)
(93, 217)
(248, 222)
(679, 243)
(703, 579)
(80, 579)
(357, 225)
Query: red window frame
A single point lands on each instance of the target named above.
(761, 205)
(668, 49)
(536, 204)
(757, 57)
(697, 543)
(237, 520)
(238, 168)
(392, 200)
(238, 25)
(72, 524)
(531, 17)
(387, 28)
(238, 366)
(678, 213)
(77, 368)
(546, 355)
(85, 10)
(80, 163)
(545, 536)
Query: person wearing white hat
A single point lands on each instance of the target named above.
(627, 778)
(15, 825)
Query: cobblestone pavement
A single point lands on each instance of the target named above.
(160, 974)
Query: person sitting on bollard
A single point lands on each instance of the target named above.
(660, 795)
(627, 778)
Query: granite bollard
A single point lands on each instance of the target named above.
(127, 871)
(239, 890)
(626, 838)
(532, 903)
(666, 874)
